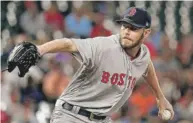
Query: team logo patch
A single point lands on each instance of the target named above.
(132, 11)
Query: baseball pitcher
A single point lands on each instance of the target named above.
(110, 68)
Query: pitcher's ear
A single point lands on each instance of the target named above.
(147, 32)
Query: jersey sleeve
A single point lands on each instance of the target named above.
(88, 49)
(148, 59)
(145, 73)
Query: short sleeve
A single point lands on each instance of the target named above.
(145, 73)
(148, 59)
(88, 49)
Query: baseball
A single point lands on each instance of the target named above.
(166, 115)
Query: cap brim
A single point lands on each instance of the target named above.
(125, 20)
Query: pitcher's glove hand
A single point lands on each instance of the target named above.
(24, 55)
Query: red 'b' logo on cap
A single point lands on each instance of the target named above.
(132, 12)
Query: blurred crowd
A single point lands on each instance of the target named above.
(31, 99)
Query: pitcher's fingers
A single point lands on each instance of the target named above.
(172, 114)
(160, 113)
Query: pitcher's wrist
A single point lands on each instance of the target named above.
(40, 50)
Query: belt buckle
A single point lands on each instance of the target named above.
(91, 117)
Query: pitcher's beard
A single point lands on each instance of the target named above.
(133, 45)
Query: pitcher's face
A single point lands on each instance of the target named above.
(132, 36)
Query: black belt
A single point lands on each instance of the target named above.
(83, 112)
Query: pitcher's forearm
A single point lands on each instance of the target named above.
(58, 45)
(153, 82)
(158, 93)
(156, 88)
(51, 47)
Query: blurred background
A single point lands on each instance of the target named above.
(31, 99)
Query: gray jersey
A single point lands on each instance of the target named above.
(107, 75)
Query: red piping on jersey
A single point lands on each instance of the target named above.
(133, 57)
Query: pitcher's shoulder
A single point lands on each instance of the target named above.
(145, 50)
(144, 47)
(114, 37)
(108, 41)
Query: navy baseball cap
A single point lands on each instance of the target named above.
(137, 17)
